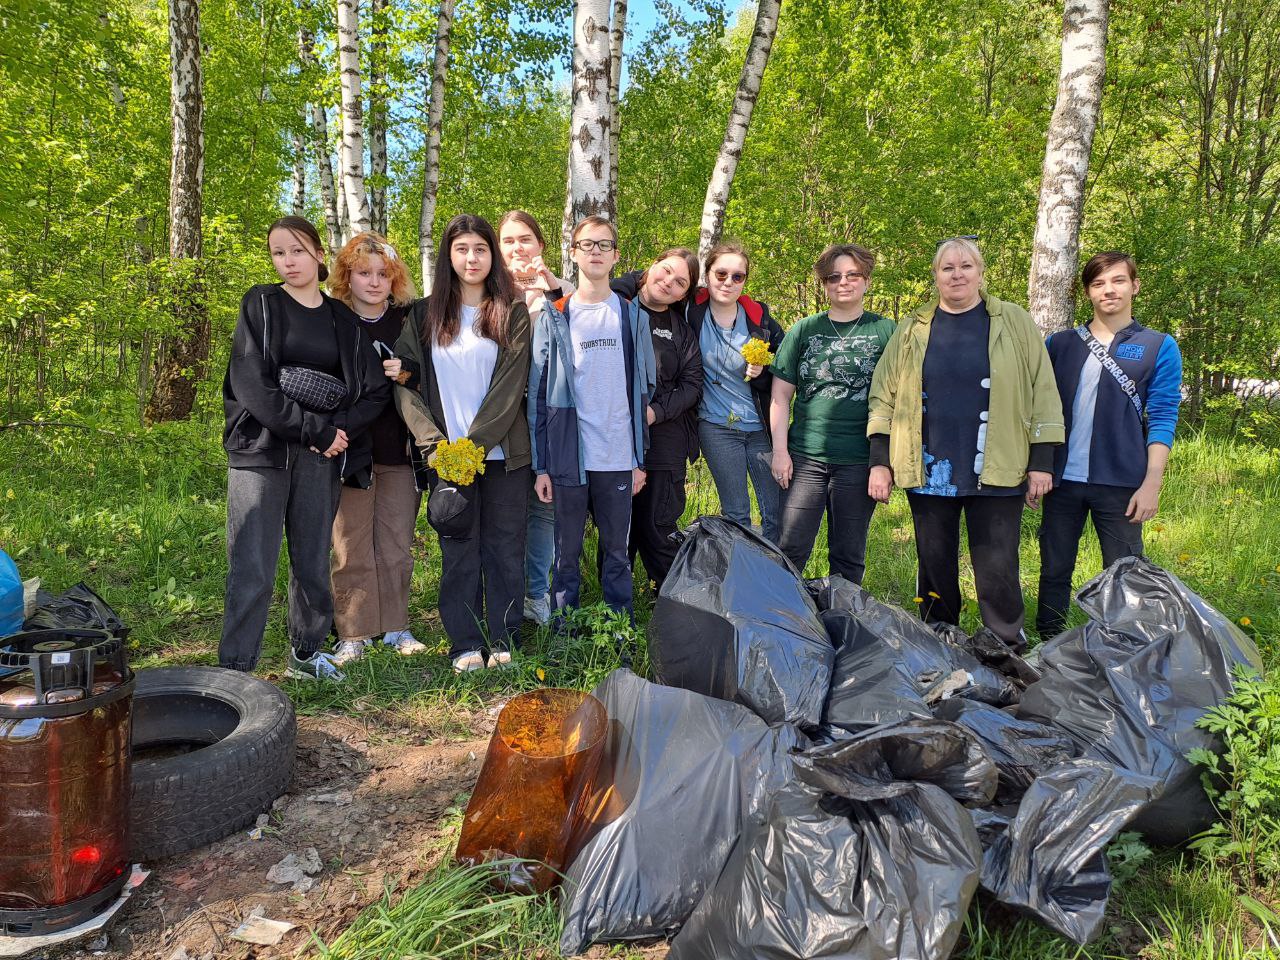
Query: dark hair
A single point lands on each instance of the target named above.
(864, 258)
(302, 228)
(1100, 262)
(520, 216)
(594, 221)
(690, 262)
(444, 306)
(723, 250)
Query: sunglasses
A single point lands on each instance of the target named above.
(723, 275)
(588, 245)
(850, 275)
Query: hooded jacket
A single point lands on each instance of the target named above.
(261, 421)
(760, 325)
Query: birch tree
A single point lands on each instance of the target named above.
(352, 115)
(378, 118)
(431, 163)
(617, 36)
(735, 134)
(184, 353)
(298, 200)
(320, 147)
(589, 125)
(1066, 163)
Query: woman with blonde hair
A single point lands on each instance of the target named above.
(372, 565)
(964, 414)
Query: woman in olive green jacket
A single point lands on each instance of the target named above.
(964, 413)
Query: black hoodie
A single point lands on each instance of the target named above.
(261, 420)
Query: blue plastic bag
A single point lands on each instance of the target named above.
(10, 596)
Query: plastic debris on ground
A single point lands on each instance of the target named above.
(734, 621)
(680, 774)
(77, 609)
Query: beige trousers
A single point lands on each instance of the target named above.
(372, 565)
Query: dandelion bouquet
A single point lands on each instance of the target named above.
(756, 351)
(458, 462)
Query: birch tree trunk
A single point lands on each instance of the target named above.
(378, 119)
(566, 224)
(298, 204)
(589, 126)
(344, 219)
(320, 148)
(1066, 163)
(182, 361)
(617, 36)
(352, 115)
(431, 161)
(735, 134)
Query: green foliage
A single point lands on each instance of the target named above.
(1127, 854)
(1244, 783)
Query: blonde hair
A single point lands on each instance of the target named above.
(964, 245)
(356, 254)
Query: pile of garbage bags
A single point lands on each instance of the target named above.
(820, 774)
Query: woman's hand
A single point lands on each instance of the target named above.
(1038, 484)
(542, 487)
(638, 477)
(649, 416)
(339, 444)
(754, 370)
(781, 467)
(545, 279)
(391, 367)
(880, 484)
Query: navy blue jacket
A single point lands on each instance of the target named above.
(1118, 448)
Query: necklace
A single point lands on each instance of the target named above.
(843, 337)
(385, 307)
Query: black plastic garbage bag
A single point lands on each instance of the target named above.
(77, 609)
(734, 621)
(865, 856)
(870, 684)
(928, 658)
(1021, 749)
(1049, 860)
(1130, 685)
(991, 651)
(679, 774)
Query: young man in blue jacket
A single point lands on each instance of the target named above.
(1121, 384)
(590, 382)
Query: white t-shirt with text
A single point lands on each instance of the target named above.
(600, 384)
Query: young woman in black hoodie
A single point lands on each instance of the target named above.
(302, 386)
(663, 291)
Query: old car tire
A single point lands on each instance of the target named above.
(212, 749)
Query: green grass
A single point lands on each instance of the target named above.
(140, 517)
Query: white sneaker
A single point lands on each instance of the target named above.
(538, 609)
(348, 650)
(318, 666)
(500, 658)
(467, 662)
(404, 642)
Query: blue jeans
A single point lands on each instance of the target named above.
(733, 455)
(539, 548)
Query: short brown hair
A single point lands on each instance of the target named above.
(723, 250)
(864, 258)
(1101, 262)
(595, 221)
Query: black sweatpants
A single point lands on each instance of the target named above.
(994, 523)
(607, 496)
(1061, 526)
(655, 515)
(482, 575)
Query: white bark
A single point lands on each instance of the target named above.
(352, 115)
(566, 223)
(378, 119)
(735, 134)
(344, 220)
(431, 159)
(589, 126)
(298, 204)
(320, 148)
(617, 35)
(186, 112)
(1066, 163)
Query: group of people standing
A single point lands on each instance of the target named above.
(591, 401)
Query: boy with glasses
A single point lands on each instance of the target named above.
(589, 385)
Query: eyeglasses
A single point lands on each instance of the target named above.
(588, 245)
(850, 275)
(723, 275)
(965, 236)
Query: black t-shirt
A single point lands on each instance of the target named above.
(389, 435)
(957, 394)
(310, 339)
(671, 442)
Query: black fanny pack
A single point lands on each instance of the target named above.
(318, 392)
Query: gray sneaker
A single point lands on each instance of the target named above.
(348, 650)
(318, 666)
(538, 609)
(404, 642)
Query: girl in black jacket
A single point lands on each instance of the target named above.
(302, 385)
(664, 291)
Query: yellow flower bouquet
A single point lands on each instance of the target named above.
(757, 351)
(458, 462)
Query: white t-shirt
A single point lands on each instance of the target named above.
(600, 384)
(464, 370)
